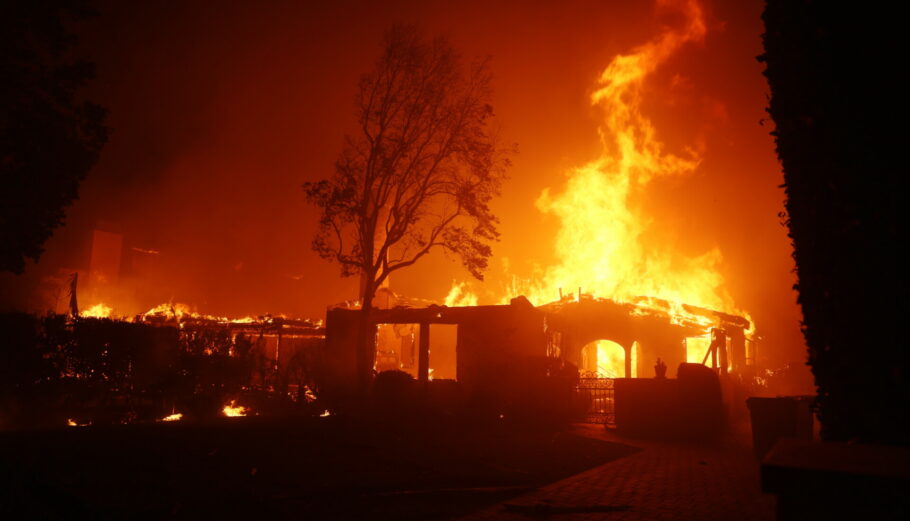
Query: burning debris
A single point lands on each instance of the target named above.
(99, 310)
(232, 410)
(165, 365)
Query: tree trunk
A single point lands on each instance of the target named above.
(366, 340)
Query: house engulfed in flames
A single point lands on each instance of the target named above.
(489, 349)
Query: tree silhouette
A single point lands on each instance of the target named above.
(420, 172)
(48, 138)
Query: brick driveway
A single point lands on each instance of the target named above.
(664, 480)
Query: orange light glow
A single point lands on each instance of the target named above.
(611, 360)
(172, 417)
(696, 347)
(234, 410)
(170, 311)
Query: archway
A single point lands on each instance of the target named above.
(608, 359)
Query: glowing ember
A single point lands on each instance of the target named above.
(99, 310)
(172, 417)
(233, 410)
(71, 422)
(182, 312)
(308, 394)
(178, 312)
(325, 413)
(171, 311)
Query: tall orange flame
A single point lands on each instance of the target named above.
(600, 246)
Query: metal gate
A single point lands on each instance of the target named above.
(594, 397)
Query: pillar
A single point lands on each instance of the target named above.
(423, 355)
(628, 351)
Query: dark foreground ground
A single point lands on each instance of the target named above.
(665, 480)
(257, 468)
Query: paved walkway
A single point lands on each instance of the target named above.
(663, 481)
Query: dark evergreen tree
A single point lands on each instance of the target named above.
(49, 138)
(839, 108)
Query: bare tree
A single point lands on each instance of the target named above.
(419, 173)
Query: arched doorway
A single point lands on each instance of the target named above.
(608, 359)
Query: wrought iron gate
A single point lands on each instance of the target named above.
(594, 397)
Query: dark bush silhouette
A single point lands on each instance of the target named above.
(836, 95)
(26, 368)
(394, 392)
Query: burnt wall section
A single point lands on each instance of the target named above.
(338, 376)
(501, 350)
(496, 348)
(839, 108)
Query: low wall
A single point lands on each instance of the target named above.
(686, 407)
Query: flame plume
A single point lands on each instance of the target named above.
(600, 245)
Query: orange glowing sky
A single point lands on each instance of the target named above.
(220, 113)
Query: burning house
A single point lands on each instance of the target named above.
(644, 331)
(502, 353)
